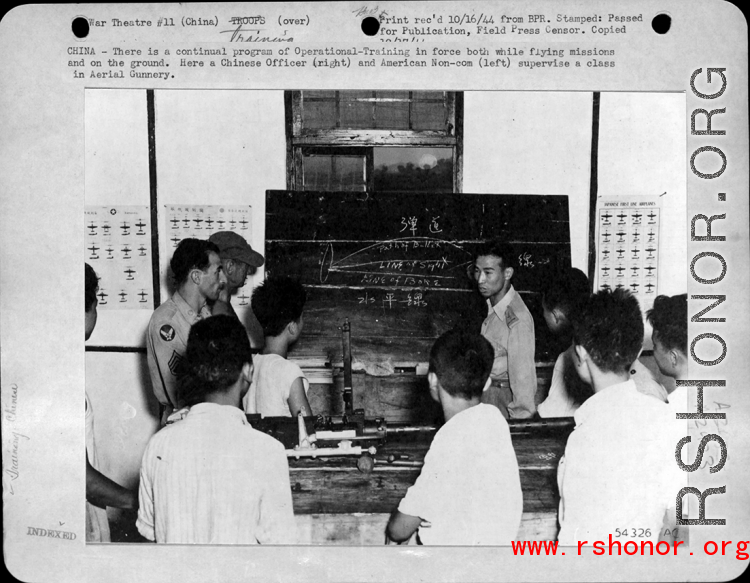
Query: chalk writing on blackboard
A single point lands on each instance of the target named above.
(408, 262)
(389, 300)
(398, 265)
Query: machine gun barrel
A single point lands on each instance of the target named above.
(547, 424)
(346, 338)
(411, 429)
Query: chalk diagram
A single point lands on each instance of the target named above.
(396, 272)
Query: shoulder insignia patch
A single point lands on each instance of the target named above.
(510, 317)
(166, 332)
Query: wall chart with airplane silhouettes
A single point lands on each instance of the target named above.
(627, 245)
(118, 247)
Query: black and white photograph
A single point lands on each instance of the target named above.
(393, 238)
(452, 294)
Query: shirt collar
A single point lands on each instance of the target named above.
(186, 310)
(604, 402)
(500, 307)
(216, 410)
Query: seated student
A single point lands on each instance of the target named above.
(100, 490)
(668, 318)
(279, 386)
(562, 303)
(211, 478)
(469, 490)
(618, 473)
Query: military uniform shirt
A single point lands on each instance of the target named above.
(168, 332)
(509, 327)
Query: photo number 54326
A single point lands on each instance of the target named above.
(633, 532)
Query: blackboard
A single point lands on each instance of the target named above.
(395, 265)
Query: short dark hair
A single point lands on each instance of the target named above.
(567, 291)
(276, 302)
(500, 249)
(610, 328)
(669, 319)
(191, 254)
(91, 286)
(462, 362)
(217, 349)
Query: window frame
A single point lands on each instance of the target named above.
(362, 141)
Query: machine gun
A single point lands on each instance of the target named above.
(354, 434)
(350, 434)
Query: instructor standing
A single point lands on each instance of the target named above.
(509, 327)
(199, 277)
(238, 260)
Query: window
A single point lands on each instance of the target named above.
(374, 140)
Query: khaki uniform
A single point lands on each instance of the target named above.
(167, 338)
(509, 327)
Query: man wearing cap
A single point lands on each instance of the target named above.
(198, 277)
(238, 260)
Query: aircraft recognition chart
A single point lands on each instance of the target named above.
(118, 247)
(627, 244)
